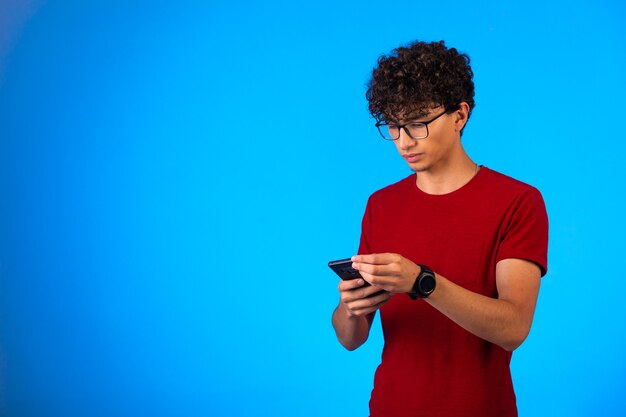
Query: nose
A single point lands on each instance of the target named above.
(405, 141)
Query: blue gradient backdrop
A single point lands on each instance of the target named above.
(174, 177)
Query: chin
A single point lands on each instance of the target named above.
(420, 168)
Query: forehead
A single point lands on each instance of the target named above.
(414, 114)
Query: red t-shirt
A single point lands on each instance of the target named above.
(431, 366)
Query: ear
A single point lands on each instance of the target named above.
(461, 116)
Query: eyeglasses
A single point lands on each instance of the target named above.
(415, 130)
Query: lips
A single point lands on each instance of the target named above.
(412, 157)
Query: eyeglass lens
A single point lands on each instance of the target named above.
(415, 130)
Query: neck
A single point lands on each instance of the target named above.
(447, 178)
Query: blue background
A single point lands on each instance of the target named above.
(175, 177)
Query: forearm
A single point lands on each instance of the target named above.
(352, 331)
(504, 321)
(499, 321)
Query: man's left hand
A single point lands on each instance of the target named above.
(389, 271)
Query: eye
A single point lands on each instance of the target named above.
(418, 130)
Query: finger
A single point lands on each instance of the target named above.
(347, 285)
(376, 270)
(349, 296)
(351, 293)
(370, 290)
(360, 293)
(385, 282)
(376, 258)
(369, 304)
(382, 298)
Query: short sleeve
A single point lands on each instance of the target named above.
(525, 234)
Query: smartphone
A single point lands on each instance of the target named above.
(343, 268)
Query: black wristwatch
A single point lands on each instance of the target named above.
(425, 283)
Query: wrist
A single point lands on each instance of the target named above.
(425, 283)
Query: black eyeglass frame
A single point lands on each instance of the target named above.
(385, 125)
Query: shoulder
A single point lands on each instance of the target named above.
(521, 204)
(496, 178)
(524, 220)
(505, 186)
(393, 192)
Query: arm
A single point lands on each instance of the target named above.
(352, 319)
(504, 321)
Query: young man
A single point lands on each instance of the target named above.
(458, 249)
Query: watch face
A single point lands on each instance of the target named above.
(427, 284)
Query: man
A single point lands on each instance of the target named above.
(458, 249)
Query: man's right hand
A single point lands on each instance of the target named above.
(353, 316)
(358, 300)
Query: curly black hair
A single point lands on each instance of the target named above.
(415, 78)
